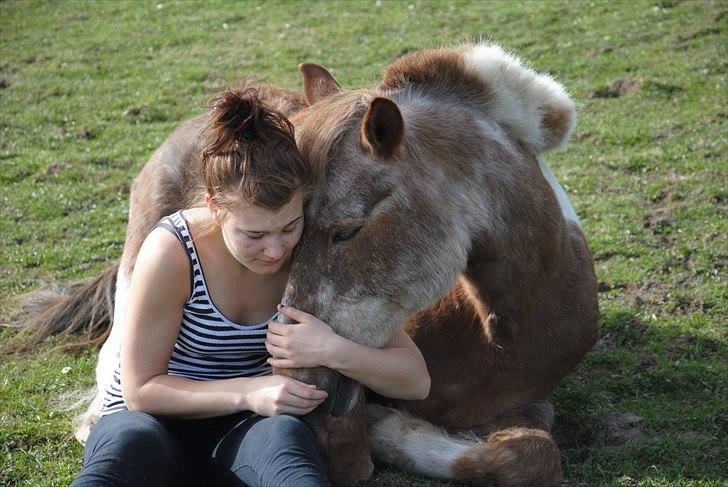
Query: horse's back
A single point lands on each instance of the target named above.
(162, 187)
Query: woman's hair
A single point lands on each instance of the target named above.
(248, 150)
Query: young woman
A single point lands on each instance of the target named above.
(193, 399)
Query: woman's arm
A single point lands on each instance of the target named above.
(160, 286)
(397, 371)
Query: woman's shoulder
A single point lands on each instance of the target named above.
(162, 267)
(162, 251)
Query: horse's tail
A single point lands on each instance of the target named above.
(84, 307)
(509, 457)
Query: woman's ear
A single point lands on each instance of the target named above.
(214, 209)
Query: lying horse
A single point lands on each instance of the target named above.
(436, 210)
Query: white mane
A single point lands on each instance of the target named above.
(520, 98)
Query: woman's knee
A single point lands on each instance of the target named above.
(128, 448)
(284, 424)
(278, 450)
(131, 434)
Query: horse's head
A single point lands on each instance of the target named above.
(402, 190)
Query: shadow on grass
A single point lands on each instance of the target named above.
(649, 402)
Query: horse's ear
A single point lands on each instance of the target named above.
(318, 83)
(382, 129)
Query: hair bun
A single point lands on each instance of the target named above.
(234, 119)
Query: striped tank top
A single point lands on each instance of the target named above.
(208, 345)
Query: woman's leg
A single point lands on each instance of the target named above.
(279, 450)
(130, 448)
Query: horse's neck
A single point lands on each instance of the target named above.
(512, 269)
(516, 231)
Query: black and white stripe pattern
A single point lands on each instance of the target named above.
(208, 346)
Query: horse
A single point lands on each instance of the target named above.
(435, 210)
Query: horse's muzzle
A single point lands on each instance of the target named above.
(343, 392)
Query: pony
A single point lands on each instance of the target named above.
(435, 210)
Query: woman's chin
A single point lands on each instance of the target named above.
(267, 267)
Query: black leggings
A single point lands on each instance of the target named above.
(137, 449)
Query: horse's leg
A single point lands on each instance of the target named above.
(537, 415)
(344, 445)
(509, 456)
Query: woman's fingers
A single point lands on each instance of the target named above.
(306, 391)
(276, 340)
(275, 328)
(282, 363)
(275, 351)
(293, 313)
(301, 402)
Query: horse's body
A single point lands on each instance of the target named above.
(436, 211)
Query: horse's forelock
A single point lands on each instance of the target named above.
(322, 125)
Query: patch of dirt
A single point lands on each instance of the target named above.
(3, 83)
(604, 287)
(585, 136)
(619, 429)
(605, 344)
(660, 221)
(55, 169)
(647, 362)
(637, 293)
(619, 87)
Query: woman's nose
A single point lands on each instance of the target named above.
(274, 250)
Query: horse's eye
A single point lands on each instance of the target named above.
(344, 235)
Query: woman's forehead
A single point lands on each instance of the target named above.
(252, 217)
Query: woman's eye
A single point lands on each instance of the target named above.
(344, 235)
(254, 237)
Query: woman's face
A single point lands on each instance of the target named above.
(261, 239)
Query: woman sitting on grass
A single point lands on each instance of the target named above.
(193, 400)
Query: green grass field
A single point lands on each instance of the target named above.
(89, 89)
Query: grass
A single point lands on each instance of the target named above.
(89, 89)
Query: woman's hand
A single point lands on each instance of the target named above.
(276, 394)
(309, 343)
(398, 370)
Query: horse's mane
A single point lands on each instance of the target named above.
(533, 107)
